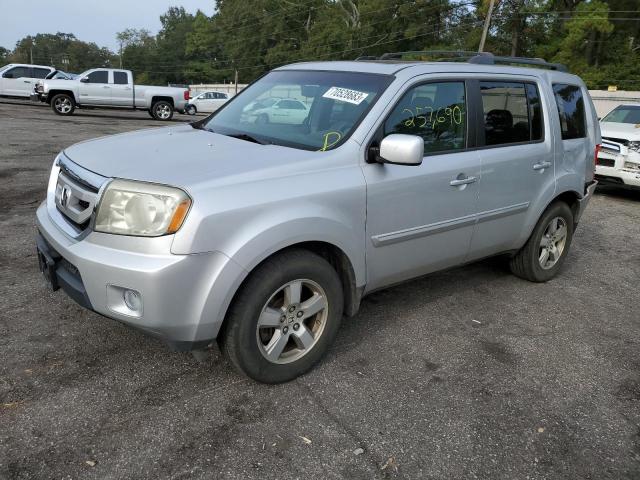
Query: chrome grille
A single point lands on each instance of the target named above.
(74, 201)
(72, 196)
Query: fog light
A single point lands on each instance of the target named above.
(132, 300)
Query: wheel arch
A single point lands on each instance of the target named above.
(53, 93)
(568, 196)
(160, 98)
(335, 255)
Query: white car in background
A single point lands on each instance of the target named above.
(208, 102)
(19, 79)
(618, 161)
(280, 110)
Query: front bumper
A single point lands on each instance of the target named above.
(618, 168)
(184, 297)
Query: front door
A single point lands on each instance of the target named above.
(517, 165)
(97, 90)
(421, 218)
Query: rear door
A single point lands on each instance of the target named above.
(121, 89)
(18, 81)
(97, 90)
(516, 150)
(420, 218)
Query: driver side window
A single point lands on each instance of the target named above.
(99, 76)
(434, 111)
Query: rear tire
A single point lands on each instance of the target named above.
(162, 110)
(63, 104)
(546, 250)
(272, 334)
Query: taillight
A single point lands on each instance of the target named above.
(186, 94)
(595, 157)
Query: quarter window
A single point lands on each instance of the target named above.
(434, 111)
(571, 110)
(99, 76)
(120, 78)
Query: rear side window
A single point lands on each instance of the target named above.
(120, 78)
(506, 113)
(99, 76)
(434, 111)
(571, 110)
(40, 72)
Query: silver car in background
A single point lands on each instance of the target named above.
(264, 234)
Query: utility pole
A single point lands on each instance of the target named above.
(31, 53)
(485, 30)
(236, 80)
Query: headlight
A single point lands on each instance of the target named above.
(141, 209)
(635, 146)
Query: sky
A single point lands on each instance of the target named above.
(89, 20)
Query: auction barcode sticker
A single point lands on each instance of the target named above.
(345, 95)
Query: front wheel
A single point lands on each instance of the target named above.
(284, 318)
(162, 110)
(190, 109)
(546, 250)
(63, 104)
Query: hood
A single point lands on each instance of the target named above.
(181, 156)
(626, 131)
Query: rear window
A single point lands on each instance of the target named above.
(571, 110)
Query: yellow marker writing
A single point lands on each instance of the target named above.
(327, 144)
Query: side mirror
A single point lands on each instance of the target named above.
(84, 79)
(400, 149)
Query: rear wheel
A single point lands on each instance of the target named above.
(544, 253)
(284, 318)
(63, 104)
(162, 110)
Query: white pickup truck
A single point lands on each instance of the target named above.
(110, 88)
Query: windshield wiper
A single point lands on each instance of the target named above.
(248, 138)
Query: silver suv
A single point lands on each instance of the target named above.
(262, 230)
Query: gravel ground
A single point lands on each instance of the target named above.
(470, 373)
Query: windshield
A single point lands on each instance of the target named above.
(311, 110)
(625, 114)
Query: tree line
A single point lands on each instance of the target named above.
(597, 39)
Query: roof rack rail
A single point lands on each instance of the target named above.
(486, 58)
(366, 57)
(479, 58)
(443, 54)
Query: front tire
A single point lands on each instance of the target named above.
(162, 110)
(284, 317)
(191, 109)
(546, 250)
(63, 104)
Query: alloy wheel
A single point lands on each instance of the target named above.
(292, 321)
(553, 242)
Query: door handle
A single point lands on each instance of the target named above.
(462, 181)
(26, 81)
(542, 165)
(106, 86)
